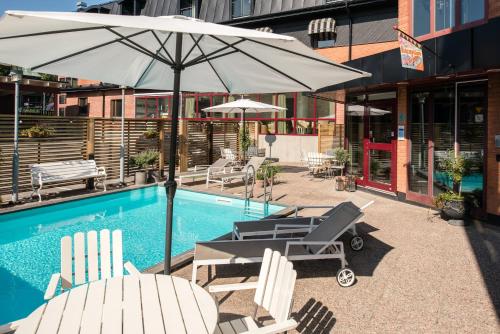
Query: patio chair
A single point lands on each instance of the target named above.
(273, 292)
(228, 154)
(201, 171)
(243, 174)
(319, 244)
(316, 163)
(97, 263)
(273, 227)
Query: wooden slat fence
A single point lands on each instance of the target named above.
(330, 136)
(73, 136)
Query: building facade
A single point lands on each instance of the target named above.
(399, 123)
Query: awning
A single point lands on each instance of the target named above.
(265, 29)
(324, 27)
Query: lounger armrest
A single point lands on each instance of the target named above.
(131, 269)
(52, 287)
(300, 207)
(200, 167)
(232, 287)
(10, 327)
(274, 328)
(307, 243)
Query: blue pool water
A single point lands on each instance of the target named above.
(30, 240)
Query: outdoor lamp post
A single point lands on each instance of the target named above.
(16, 77)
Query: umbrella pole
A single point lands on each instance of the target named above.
(244, 136)
(171, 185)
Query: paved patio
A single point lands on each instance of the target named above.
(416, 274)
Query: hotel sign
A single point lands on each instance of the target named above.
(411, 53)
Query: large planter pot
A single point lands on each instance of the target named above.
(454, 211)
(140, 178)
(340, 183)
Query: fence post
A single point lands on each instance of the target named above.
(90, 147)
(183, 146)
(161, 148)
(210, 140)
(319, 138)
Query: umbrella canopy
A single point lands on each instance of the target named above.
(244, 106)
(153, 52)
(358, 110)
(139, 52)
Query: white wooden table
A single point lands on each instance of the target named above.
(129, 304)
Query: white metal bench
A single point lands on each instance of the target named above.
(59, 171)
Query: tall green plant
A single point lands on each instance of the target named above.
(455, 167)
(145, 159)
(342, 156)
(245, 141)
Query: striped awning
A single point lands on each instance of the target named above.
(265, 29)
(324, 27)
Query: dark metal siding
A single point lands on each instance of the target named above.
(160, 8)
(215, 10)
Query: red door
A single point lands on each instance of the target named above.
(380, 165)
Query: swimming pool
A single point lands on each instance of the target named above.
(29, 240)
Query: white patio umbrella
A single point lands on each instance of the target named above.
(359, 110)
(153, 52)
(244, 106)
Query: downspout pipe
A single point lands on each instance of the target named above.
(348, 10)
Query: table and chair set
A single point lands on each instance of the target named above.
(322, 164)
(96, 297)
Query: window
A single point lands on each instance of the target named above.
(421, 17)
(83, 107)
(472, 10)
(116, 108)
(62, 112)
(319, 41)
(241, 8)
(445, 14)
(434, 16)
(62, 98)
(187, 8)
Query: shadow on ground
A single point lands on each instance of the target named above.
(314, 317)
(485, 241)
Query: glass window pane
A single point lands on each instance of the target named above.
(188, 104)
(216, 100)
(421, 17)
(140, 108)
(203, 102)
(444, 120)
(285, 126)
(325, 108)
(164, 107)
(326, 43)
(445, 14)
(285, 101)
(472, 10)
(355, 135)
(151, 108)
(419, 137)
(305, 127)
(116, 108)
(305, 106)
(266, 127)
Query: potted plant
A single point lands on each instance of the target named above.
(145, 162)
(266, 174)
(38, 131)
(245, 140)
(451, 203)
(342, 157)
(151, 134)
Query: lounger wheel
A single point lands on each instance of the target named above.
(345, 277)
(357, 243)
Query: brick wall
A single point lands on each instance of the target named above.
(494, 8)
(402, 145)
(404, 21)
(95, 103)
(341, 54)
(492, 166)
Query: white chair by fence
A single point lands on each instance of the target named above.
(273, 292)
(103, 259)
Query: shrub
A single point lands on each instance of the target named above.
(151, 133)
(267, 171)
(441, 199)
(145, 159)
(455, 167)
(342, 156)
(38, 131)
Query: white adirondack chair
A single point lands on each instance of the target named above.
(99, 262)
(274, 292)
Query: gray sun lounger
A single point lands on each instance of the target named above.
(202, 171)
(265, 228)
(320, 243)
(226, 177)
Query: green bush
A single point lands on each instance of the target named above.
(342, 156)
(455, 167)
(448, 196)
(145, 159)
(244, 139)
(38, 131)
(151, 133)
(267, 171)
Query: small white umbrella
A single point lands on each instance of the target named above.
(153, 52)
(244, 106)
(359, 110)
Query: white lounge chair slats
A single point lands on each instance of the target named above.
(274, 293)
(92, 260)
(318, 244)
(243, 174)
(203, 171)
(49, 172)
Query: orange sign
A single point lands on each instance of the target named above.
(411, 53)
